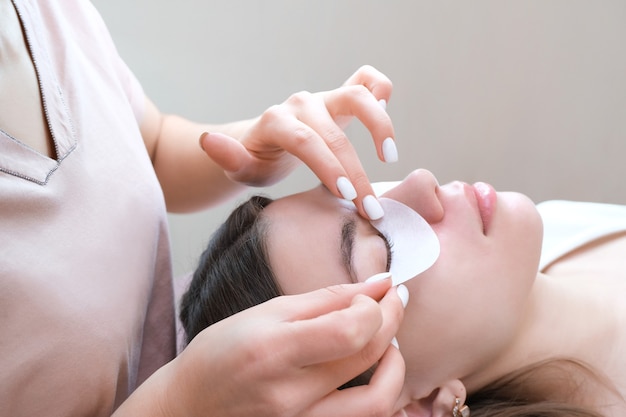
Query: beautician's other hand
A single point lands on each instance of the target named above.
(286, 357)
(310, 126)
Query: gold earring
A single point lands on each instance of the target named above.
(460, 410)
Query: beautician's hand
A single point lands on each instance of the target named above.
(310, 126)
(285, 358)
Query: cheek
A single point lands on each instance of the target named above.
(432, 333)
(518, 242)
(468, 305)
(476, 290)
(497, 268)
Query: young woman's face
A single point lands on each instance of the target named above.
(462, 311)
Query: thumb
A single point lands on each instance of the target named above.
(225, 151)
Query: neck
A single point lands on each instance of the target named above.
(565, 319)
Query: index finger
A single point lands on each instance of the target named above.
(315, 138)
(325, 375)
(325, 300)
(348, 341)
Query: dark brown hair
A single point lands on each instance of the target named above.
(551, 388)
(234, 274)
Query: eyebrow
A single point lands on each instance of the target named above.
(348, 232)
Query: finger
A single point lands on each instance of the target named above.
(317, 140)
(354, 101)
(389, 374)
(378, 398)
(358, 101)
(392, 310)
(325, 300)
(336, 335)
(304, 142)
(353, 356)
(227, 152)
(374, 80)
(340, 161)
(318, 318)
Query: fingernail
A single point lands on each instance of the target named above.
(346, 189)
(379, 277)
(403, 293)
(372, 207)
(200, 140)
(394, 342)
(400, 413)
(383, 103)
(390, 152)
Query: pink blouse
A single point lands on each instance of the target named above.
(86, 304)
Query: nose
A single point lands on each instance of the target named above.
(419, 192)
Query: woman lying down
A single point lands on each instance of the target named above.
(496, 322)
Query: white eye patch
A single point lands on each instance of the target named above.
(415, 246)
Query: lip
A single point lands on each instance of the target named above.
(486, 198)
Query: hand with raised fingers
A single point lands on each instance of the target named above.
(310, 127)
(286, 358)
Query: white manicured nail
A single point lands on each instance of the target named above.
(378, 277)
(372, 207)
(390, 152)
(383, 103)
(394, 342)
(346, 188)
(403, 293)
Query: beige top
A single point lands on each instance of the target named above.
(83, 239)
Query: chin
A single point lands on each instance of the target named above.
(521, 205)
(524, 222)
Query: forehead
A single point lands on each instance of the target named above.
(303, 241)
(317, 199)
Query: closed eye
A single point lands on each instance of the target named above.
(348, 236)
(389, 246)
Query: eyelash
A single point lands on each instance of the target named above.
(389, 245)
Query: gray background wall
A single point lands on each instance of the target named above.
(527, 95)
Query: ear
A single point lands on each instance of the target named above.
(439, 403)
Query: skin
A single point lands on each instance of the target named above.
(482, 276)
(197, 169)
(307, 127)
(295, 355)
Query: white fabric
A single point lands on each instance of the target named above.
(569, 225)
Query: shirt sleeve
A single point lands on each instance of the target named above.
(94, 27)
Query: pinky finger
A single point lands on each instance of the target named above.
(375, 81)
